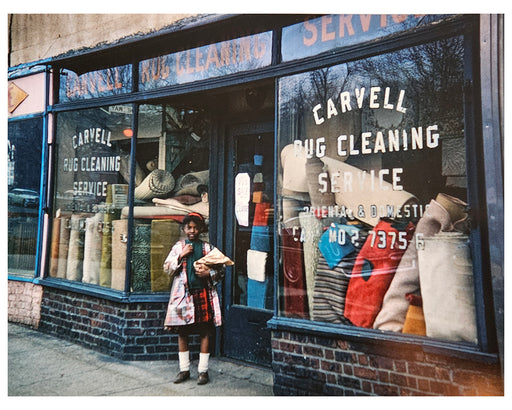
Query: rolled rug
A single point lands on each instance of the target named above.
(154, 212)
(192, 183)
(118, 264)
(373, 271)
(187, 199)
(447, 289)
(262, 211)
(65, 230)
(336, 242)
(406, 280)
(330, 286)
(330, 290)
(173, 205)
(54, 253)
(141, 257)
(314, 166)
(74, 269)
(164, 234)
(295, 297)
(106, 248)
(311, 230)
(92, 249)
(157, 184)
(414, 319)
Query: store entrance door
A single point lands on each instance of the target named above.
(249, 284)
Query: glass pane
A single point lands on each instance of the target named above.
(93, 84)
(172, 179)
(254, 211)
(23, 176)
(373, 191)
(325, 33)
(91, 188)
(213, 60)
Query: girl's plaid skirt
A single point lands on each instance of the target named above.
(203, 315)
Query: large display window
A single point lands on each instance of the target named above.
(172, 180)
(91, 218)
(372, 194)
(92, 175)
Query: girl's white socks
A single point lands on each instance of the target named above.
(184, 359)
(203, 362)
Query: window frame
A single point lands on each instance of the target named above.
(39, 235)
(27, 70)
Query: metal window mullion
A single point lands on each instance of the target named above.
(44, 220)
(476, 182)
(131, 188)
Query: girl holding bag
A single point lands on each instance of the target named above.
(194, 306)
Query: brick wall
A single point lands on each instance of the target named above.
(24, 303)
(313, 365)
(129, 331)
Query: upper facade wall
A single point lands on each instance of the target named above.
(34, 37)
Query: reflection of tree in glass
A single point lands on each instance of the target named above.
(432, 77)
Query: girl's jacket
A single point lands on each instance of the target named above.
(180, 310)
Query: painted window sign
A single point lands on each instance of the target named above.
(93, 84)
(325, 33)
(373, 194)
(93, 154)
(213, 60)
(91, 190)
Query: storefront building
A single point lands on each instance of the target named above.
(350, 165)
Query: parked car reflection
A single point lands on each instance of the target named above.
(26, 198)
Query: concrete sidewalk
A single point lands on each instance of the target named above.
(44, 365)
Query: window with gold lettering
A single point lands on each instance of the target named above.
(93, 84)
(92, 173)
(91, 220)
(329, 32)
(213, 60)
(372, 194)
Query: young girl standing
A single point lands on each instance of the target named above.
(194, 306)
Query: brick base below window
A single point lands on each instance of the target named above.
(129, 331)
(24, 302)
(313, 365)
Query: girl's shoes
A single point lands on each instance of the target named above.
(182, 376)
(203, 378)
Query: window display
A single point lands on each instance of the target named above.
(173, 154)
(372, 194)
(90, 227)
(91, 188)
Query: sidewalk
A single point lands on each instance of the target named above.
(44, 365)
